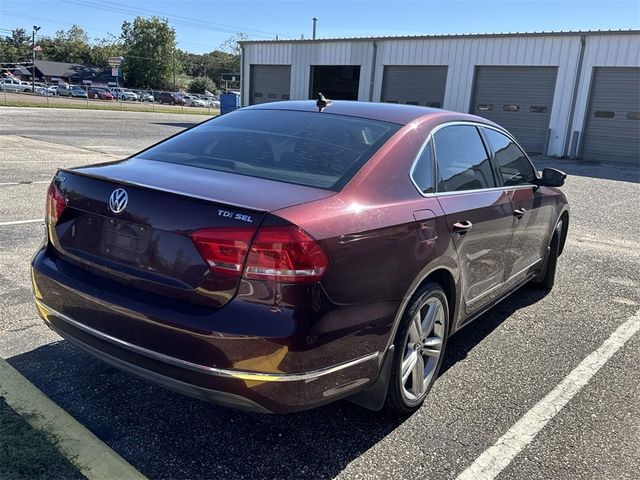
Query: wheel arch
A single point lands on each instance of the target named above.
(564, 217)
(373, 397)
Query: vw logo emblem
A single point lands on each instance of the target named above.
(118, 200)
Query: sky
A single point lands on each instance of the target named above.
(203, 25)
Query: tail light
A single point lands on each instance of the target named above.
(224, 249)
(278, 253)
(285, 254)
(56, 203)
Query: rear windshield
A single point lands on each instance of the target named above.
(305, 148)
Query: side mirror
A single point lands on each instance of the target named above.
(552, 177)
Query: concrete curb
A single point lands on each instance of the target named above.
(88, 453)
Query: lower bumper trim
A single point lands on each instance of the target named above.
(45, 310)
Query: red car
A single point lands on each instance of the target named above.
(100, 93)
(291, 254)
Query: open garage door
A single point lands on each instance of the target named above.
(414, 85)
(519, 99)
(269, 83)
(612, 129)
(335, 82)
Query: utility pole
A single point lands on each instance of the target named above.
(313, 36)
(33, 58)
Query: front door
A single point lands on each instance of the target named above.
(478, 212)
(532, 211)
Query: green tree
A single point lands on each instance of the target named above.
(200, 84)
(102, 49)
(150, 60)
(16, 47)
(68, 46)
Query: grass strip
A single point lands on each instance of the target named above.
(26, 453)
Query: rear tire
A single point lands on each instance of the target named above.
(546, 279)
(419, 348)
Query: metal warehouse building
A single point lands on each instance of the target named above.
(561, 94)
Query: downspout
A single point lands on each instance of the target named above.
(373, 70)
(242, 75)
(574, 98)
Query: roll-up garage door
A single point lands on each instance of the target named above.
(414, 84)
(519, 99)
(612, 130)
(270, 83)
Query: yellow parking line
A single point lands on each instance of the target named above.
(88, 453)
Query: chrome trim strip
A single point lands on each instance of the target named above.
(435, 160)
(523, 270)
(221, 372)
(502, 284)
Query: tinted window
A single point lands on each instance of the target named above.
(513, 164)
(463, 163)
(306, 148)
(423, 171)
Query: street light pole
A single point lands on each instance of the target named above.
(33, 58)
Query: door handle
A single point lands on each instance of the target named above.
(519, 212)
(462, 228)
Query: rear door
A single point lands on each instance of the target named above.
(532, 210)
(478, 212)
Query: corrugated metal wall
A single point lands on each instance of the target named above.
(302, 55)
(461, 56)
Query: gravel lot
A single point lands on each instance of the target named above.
(495, 370)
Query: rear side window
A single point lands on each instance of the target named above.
(463, 163)
(305, 148)
(423, 171)
(513, 164)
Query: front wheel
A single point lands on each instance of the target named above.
(418, 349)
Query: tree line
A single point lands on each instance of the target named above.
(152, 59)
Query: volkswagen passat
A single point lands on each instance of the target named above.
(287, 255)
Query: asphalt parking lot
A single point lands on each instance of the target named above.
(495, 370)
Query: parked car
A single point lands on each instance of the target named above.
(145, 97)
(47, 90)
(289, 254)
(78, 91)
(100, 93)
(193, 101)
(16, 86)
(171, 98)
(124, 94)
(71, 91)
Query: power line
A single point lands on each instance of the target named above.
(57, 22)
(175, 19)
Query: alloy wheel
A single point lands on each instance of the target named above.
(423, 348)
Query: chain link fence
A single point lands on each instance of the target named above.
(15, 92)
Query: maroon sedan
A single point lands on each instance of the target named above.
(285, 256)
(100, 93)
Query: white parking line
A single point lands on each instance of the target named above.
(497, 457)
(21, 222)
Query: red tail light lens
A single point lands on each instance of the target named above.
(56, 203)
(285, 254)
(224, 249)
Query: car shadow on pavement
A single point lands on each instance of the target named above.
(460, 344)
(168, 435)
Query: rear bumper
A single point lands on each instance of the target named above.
(264, 381)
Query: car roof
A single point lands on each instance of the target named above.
(388, 112)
